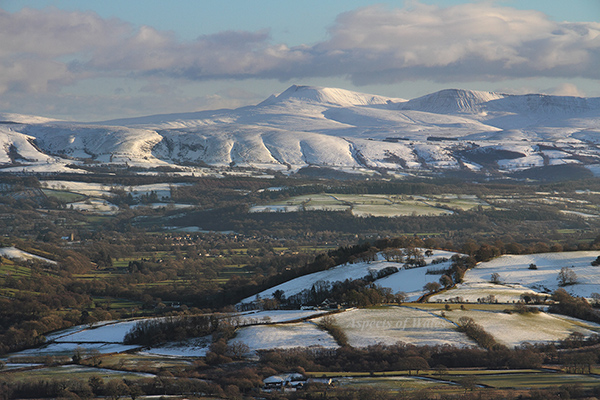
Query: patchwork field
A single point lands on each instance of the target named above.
(13, 252)
(481, 292)
(284, 336)
(514, 270)
(410, 281)
(362, 205)
(515, 329)
(389, 325)
(79, 371)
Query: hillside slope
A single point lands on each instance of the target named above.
(450, 130)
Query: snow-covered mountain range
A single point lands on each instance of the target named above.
(450, 130)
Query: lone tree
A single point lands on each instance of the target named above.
(446, 281)
(495, 278)
(567, 277)
(401, 297)
(432, 287)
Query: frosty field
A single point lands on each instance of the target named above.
(514, 270)
(515, 329)
(410, 281)
(389, 325)
(362, 205)
(284, 336)
(473, 292)
(275, 316)
(13, 252)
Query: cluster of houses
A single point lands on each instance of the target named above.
(291, 382)
(269, 304)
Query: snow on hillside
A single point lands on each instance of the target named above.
(367, 327)
(195, 347)
(514, 269)
(109, 333)
(515, 329)
(23, 119)
(285, 336)
(16, 147)
(68, 349)
(103, 143)
(452, 101)
(276, 316)
(515, 276)
(13, 252)
(410, 281)
(339, 97)
(476, 292)
(318, 126)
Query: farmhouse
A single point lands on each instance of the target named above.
(293, 380)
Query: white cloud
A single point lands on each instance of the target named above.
(45, 50)
(567, 89)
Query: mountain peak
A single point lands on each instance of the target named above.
(452, 101)
(331, 96)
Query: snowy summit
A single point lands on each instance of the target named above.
(450, 130)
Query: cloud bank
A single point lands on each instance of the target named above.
(45, 50)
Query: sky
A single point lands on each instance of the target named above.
(99, 60)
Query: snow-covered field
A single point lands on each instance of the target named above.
(362, 205)
(473, 292)
(13, 252)
(110, 333)
(514, 270)
(276, 316)
(195, 347)
(410, 281)
(68, 349)
(85, 188)
(365, 327)
(173, 206)
(284, 336)
(515, 329)
(162, 190)
(95, 206)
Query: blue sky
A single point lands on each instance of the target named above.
(90, 60)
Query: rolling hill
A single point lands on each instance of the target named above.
(451, 130)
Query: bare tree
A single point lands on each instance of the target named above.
(495, 278)
(567, 277)
(432, 287)
(237, 349)
(401, 297)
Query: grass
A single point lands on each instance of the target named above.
(7, 267)
(380, 205)
(536, 380)
(468, 306)
(64, 196)
(95, 275)
(144, 363)
(501, 379)
(116, 303)
(391, 383)
(69, 372)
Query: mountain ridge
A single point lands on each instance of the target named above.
(330, 128)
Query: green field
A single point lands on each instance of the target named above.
(7, 267)
(378, 205)
(499, 379)
(64, 196)
(71, 372)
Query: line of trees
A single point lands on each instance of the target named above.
(151, 332)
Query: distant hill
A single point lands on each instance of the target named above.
(451, 130)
